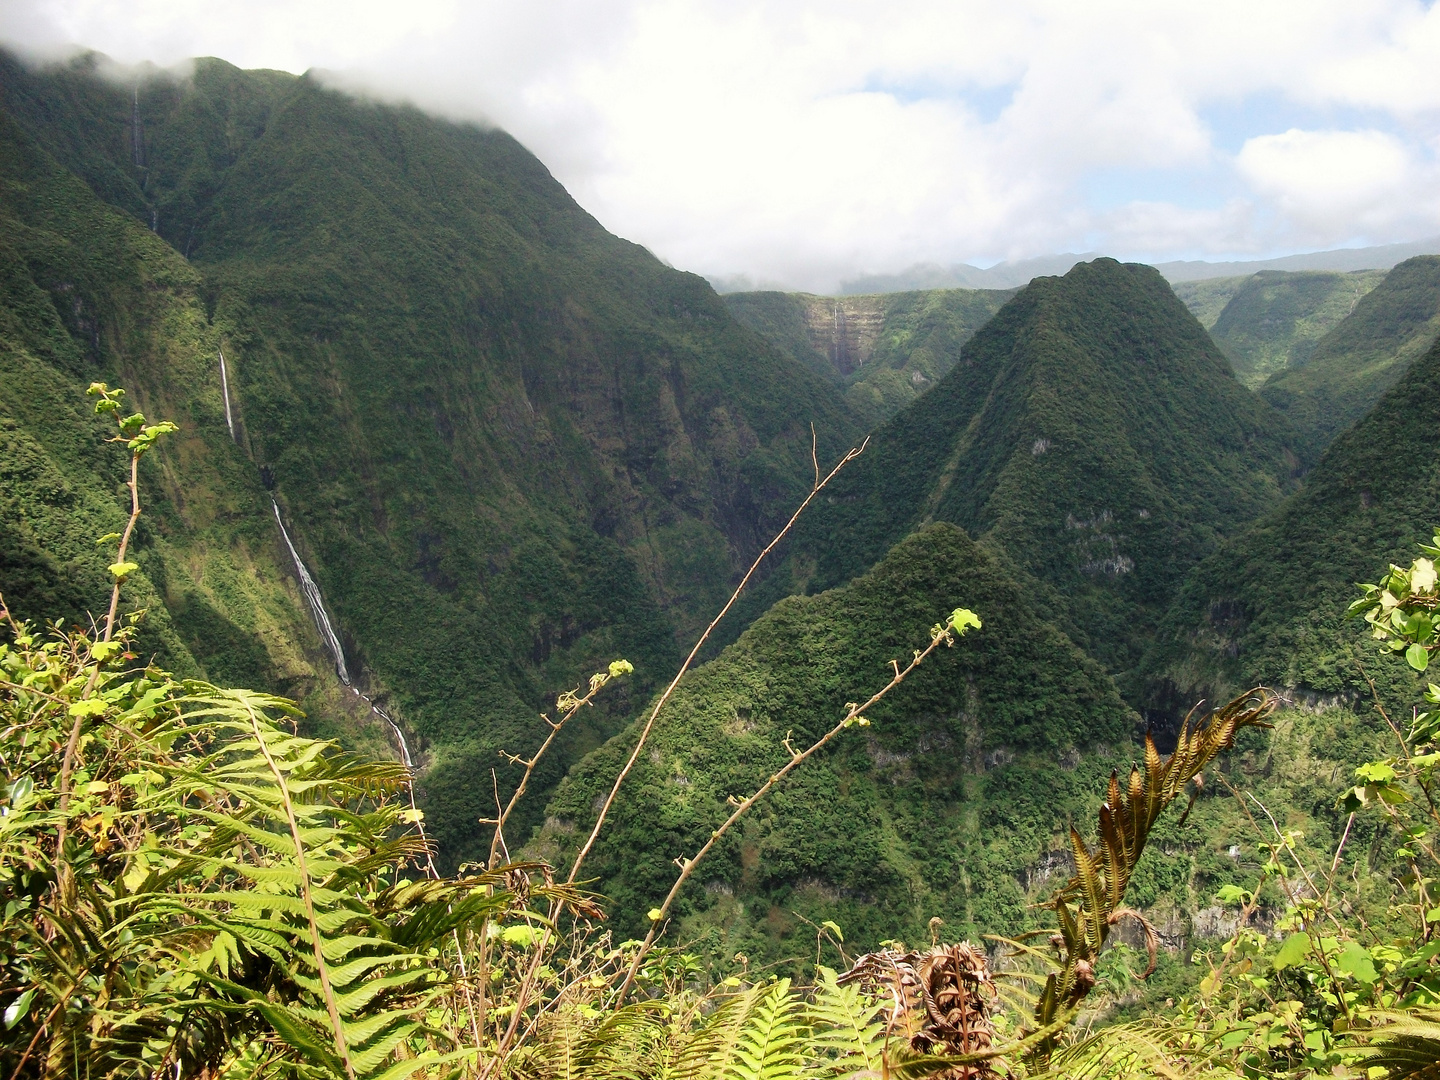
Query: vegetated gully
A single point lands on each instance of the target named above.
(315, 601)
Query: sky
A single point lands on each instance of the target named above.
(800, 144)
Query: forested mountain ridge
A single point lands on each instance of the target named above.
(1275, 320)
(1091, 431)
(1362, 357)
(1269, 605)
(937, 807)
(509, 444)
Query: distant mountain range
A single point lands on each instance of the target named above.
(1009, 275)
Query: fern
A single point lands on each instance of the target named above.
(771, 1043)
(849, 1030)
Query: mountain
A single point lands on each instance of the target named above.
(1343, 260)
(1206, 298)
(1356, 362)
(1275, 320)
(884, 349)
(1093, 432)
(1269, 605)
(938, 807)
(509, 445)
(1010, 274)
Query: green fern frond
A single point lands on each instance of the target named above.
(848, 1028)
(771, 1042)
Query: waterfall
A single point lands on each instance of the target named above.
(225, 389)
(399, 735)
(315, 602)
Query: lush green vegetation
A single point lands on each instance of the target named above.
(1206, 297)
(514, 448)
(1362, 357)
(1093, 433)
(508, 444)
(886, 349)
(1275, 320)
(1242, 618)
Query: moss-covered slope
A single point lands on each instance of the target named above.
(1362, 357)
(1275, 320)
(1093, 432)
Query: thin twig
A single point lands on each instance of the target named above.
(522, 998)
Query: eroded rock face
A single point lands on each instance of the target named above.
(845, 328)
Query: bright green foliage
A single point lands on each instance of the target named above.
(1275, 320)
(884, 349)
(1364, 356)
(901, 819)
(205, 878)
(1244, 619)
(1093, 432)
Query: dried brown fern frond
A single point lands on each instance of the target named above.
(942, 1001)
(1091, 903)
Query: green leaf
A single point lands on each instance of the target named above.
(1417, 656)
(1422, 576)
(18, 1009)
(88, 707)
(121, 570)
(961, 619)
(1354, 960)
(1292, 953)
(1375, 772)
(620, 667)
(834, 929)
(1230, 895)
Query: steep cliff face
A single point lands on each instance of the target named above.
(509, 445)
(885, 349)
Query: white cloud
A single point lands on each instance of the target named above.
(805, 142)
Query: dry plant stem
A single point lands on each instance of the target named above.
(522, 999)
(67, 764)
(815, 489)
(331, 1005)
(687, 866)
(555, 726)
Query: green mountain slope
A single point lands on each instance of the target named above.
(89, 294)
(1269, 605)
(1275, 320)
(1206, 298)
(509, 444)
(937, 807)
(886, 349)
(1093, 432)
(1362, 357)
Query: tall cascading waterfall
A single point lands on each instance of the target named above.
(225, 390)
(316, 603)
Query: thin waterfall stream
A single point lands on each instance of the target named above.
(316, 603)
(225, 390)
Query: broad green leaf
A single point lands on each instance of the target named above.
(1422, 576)
(1292, 952)
(1417, 656)
(1354, 960)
